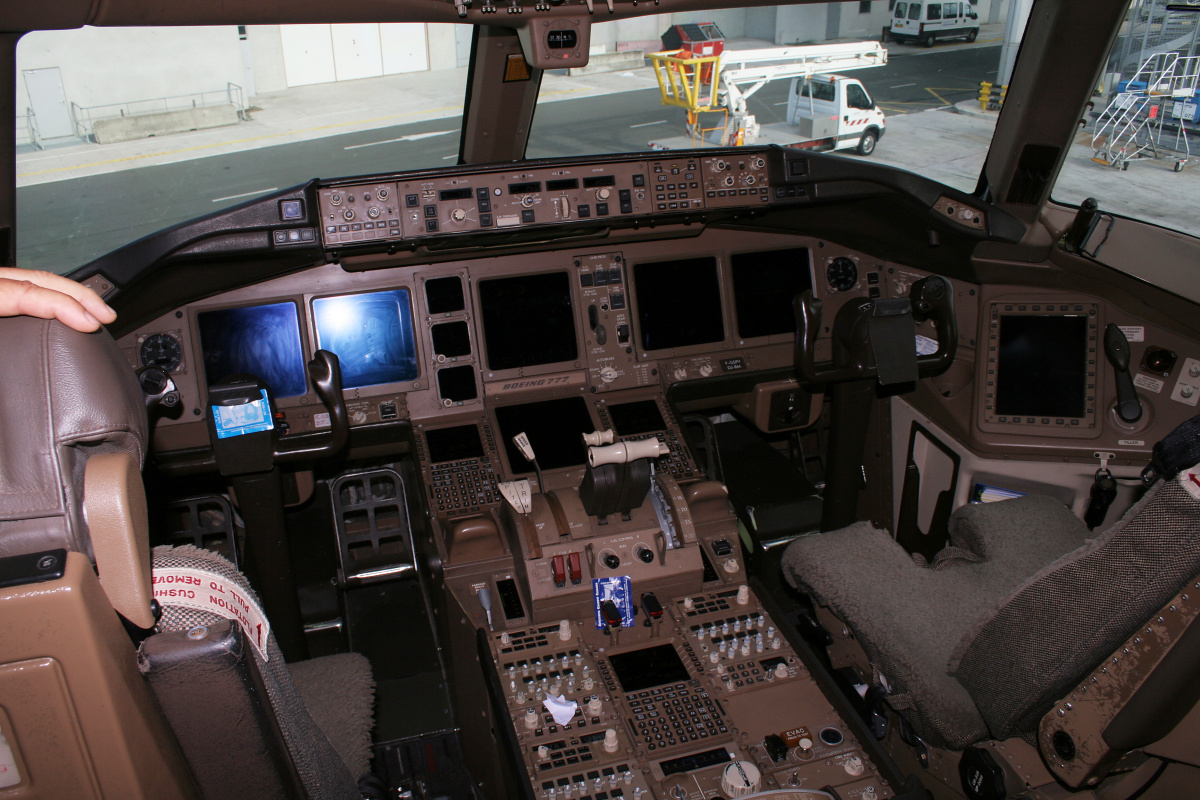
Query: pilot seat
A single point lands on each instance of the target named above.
(195, 710)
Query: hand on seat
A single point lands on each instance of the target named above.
(50, 296)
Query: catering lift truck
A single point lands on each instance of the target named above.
(825, 111)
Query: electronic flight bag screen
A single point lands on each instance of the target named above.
(257, 340)
(371, 334)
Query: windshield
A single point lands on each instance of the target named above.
(1137, 152)
(111, 149)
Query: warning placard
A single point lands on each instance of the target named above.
(207, 591)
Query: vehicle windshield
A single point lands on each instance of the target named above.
(112, 149)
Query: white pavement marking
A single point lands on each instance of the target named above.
(647, 124)
(412, 137)
(246, 194)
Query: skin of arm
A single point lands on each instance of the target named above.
(49, 296)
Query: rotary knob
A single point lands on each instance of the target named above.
(706, 370)
(603, 194)
(531, 719)
(740, 778)
(610, 740)
(458, 214)
(358, 417)
(564, 631)
(608, 374)
(594, 706)
(373, 212)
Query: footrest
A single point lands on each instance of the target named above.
(374, 536)
(206, 522)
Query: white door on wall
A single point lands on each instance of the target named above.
(307, 54)
(48, 100)
(462, 44)
(356, 51)
(404, 47)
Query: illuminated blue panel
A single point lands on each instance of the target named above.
(259, 340)
(371, 334)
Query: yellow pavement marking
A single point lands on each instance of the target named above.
(938, 96)
(232, 141)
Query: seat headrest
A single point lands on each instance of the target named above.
(64, 396)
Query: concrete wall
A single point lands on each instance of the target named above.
(100, 66)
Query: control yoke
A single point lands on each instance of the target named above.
(872, 340)
(326, 374)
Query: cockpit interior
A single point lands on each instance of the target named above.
(676, 473)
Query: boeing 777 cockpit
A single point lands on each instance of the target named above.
(602, 400)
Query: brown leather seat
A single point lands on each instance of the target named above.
(80, 719)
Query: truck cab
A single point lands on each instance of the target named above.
(833, 112)
(926, 23)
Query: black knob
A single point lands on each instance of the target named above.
(610, 560)
(645, 555)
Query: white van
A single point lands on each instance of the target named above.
(925, 23)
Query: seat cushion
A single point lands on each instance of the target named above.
(1040, 639)
(909, 617)
(321, 768)
(338, 692)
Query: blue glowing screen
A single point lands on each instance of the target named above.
(258, 340)
(371, 334)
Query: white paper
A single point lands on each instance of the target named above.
(561, 709)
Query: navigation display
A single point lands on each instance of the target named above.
(764, 284)
(555, 429)
(678, 303)
(371, 334)
(1042, 366)
(527, 320)
(647, 668)
(258, 340)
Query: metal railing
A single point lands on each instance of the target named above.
(30, 136)
(84, 117)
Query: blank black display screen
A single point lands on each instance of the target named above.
(555, 429)
(527, 320)
(454, 444)
(643, 416)
(1042, 366)
(764, 284)
(652, 666)
(679, 303)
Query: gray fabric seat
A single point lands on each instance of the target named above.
(1021, 603)
(330, 757)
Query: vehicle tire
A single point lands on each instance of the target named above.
(928, 41)
(866, 145)
(974, 34)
